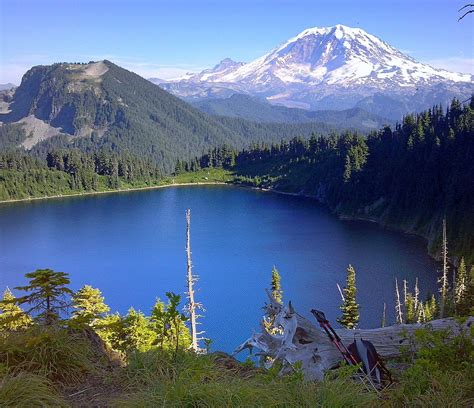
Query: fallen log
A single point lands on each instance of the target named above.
(288, 337)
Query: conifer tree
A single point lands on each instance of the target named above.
(48, 295)
(276, 285)
(431, 309)
(420, 313)
(109, 328)
(89, 306)
(347, 169)
(350, 308)
(137, 333)
(410, 311)
(461, 290)
(132, 332)
(12, 317)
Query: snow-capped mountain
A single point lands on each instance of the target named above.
(225, 67)
(330, 68)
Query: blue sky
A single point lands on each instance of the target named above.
(165, 38)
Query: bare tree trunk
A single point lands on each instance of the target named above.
(444, 280)
(405, 291)
(302, 341)
(340, 292)
(398, 306)
(384, 314)
(417, 295)
(192, 305)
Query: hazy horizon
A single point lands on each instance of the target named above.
(166, 42)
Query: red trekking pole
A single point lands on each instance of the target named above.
(334, 337)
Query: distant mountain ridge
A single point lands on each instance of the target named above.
(335, 67)
(4, 87)
(100, 105)
(259, 110)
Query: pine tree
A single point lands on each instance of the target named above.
(129, 333)
(350, 308)
(410, 309)
(110, 328)
(48, 294)
(89, 306)
(420, 313)
(137, 333)
(431, 309)
(276, 285)
(12, 317)
(347, 169)
(461, 290)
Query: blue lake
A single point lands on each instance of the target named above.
(132, 247)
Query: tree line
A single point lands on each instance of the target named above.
(70, 170)
(49, 298)
(409, 307)
(410, 177)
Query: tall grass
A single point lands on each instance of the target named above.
(28, 391)
(59, 355)
(39, 364)
(156, 379)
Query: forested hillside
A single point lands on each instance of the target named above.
(246, 107)
(410, 177)
(72, 171)
(101, 106)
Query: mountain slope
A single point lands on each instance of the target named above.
(247, 107)
(101, 105)
(331, 68)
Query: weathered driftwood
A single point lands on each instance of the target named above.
(291, 338)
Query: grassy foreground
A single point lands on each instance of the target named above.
(53, 366)
(57, 367)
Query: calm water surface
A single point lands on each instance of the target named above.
(132, 247)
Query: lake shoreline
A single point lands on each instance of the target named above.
(121, 190)
(345, 217)
(342, 217)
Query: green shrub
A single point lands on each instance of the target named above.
(442, 373)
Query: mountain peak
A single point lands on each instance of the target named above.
(226, 63)
(320, 64)
(338, 30)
